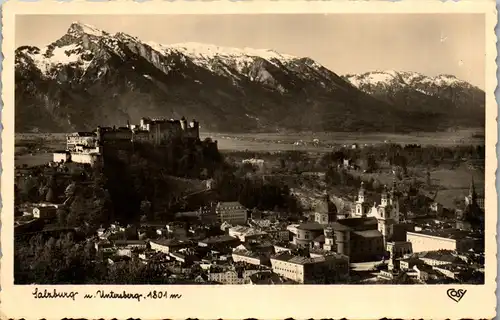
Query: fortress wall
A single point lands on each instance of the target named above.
(117, 135)
(72, 141)
(82, 158)
(143, 136)
(192, 133)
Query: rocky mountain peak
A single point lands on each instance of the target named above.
(77, 29)
(90, 77)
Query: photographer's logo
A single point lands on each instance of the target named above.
(456, 295)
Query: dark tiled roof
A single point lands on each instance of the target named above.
(358, 222)
(311, 226)
(368, 233)
(170, 242)
(446, 233)
(320, 238)
(445, 256)
(338, 226)
(129, 242)
(219, 239)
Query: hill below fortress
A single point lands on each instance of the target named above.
(90, 77)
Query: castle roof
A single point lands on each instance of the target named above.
(82, 134)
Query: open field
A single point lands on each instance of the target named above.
(325, 141)
(265, 141)
(34, 149)
(455, 184)
(32, 160)
(452, 183)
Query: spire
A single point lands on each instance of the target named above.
(472, 190)
(383, 197)
(361, 193)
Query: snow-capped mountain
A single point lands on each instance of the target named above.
(415, 92)
(90, 77)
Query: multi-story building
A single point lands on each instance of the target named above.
(232, 276)
(231, 212)
(310, 269)
(359, 238)
(447, 239)
(398, 249)
(250, 257)
(168, 245)
(245, 233)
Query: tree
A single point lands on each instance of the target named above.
(29, 189)
(78, 210)
(62, 216)
(371, 163)
(50, 196)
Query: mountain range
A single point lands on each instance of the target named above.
(90, 77)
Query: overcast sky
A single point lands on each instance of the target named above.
(345, 43)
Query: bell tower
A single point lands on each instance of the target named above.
(359, 205)
(361, 193)
(383, 200)
(394, 202)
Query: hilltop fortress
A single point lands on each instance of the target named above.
(87, 147)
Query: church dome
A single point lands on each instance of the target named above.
(321, 207)
(327, 207)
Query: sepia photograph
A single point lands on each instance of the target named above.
(143, 161)
(208, 149)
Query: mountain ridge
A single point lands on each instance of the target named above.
(90, 77)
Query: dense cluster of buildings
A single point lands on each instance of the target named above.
(88, 147)
(227, 243)
(231, 244)
(259, 248)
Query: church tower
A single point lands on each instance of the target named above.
(383, 200)
(361, 193)
(394, 202)
(360, 203)
(472, 191)
(384, 216)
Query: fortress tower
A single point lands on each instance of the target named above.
(183, 123)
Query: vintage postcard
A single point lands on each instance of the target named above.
(185, 159)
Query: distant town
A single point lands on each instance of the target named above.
(152, 203)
